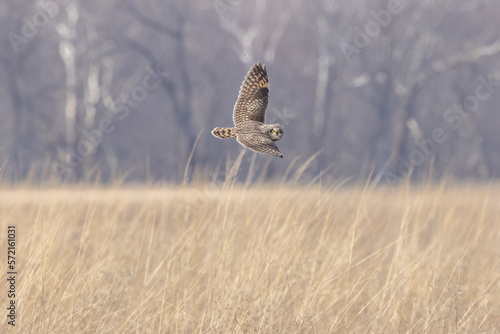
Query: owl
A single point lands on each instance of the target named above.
(249, 115)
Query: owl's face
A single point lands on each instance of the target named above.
(275, 131)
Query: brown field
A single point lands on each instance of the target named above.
(261, 259)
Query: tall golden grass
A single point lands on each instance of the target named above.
(272, 258)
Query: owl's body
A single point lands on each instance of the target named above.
(249, 113)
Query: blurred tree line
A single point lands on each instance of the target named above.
(385, 89)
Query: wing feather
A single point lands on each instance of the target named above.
(253, 96)
(259, 143)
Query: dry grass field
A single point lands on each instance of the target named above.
(260, 259)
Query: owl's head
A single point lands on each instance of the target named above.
(275, 131)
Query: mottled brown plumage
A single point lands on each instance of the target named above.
(224, 133)
(249, 115)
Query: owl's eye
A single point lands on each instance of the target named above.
(280, 131)
(272, 131)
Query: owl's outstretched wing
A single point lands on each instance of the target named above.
(259, 143)
(253, 97)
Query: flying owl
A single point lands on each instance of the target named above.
(249, 115)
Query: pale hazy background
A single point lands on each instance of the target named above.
(103, 89)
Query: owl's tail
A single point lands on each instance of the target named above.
(224, 133)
